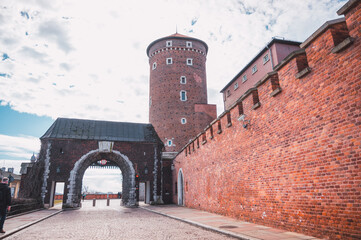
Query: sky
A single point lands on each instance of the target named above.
(87, 59)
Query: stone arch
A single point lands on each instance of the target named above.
(76, 177)
(180, 187)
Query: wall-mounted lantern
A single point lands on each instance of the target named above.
(246, 123)
(145, 170)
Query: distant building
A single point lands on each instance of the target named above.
(14, 180)
(33, 158)
(265, 61)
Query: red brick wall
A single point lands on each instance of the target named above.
(65, 153)
(297, 164)
(166, 109)
(93, 196)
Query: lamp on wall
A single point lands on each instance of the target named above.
(245, 122)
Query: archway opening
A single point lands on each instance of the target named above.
(102, 181)
(102, 159)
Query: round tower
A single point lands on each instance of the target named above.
(178, 106)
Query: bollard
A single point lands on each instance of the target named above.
(94, 202)
(108, 200)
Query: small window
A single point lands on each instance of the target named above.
(189, 61)
(169, 61)
(154, 65)
(228, 93)
(183, 80)
(244, 78)
(265, 58)
(235, 85)
(183, 95)
(183, 121)
(189, 44)
(150, 101)
(170, 143)
(254, 69)
(169, 43)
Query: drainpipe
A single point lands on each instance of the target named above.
(270, 54)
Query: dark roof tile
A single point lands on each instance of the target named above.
(65, 128)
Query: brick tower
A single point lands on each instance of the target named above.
(178, 106)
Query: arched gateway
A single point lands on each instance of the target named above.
(70, 146)
(122, 161)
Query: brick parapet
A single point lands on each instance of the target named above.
(295, 165)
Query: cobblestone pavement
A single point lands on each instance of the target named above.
(112, 222)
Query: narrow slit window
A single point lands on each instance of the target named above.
(169, 61)
(169, 43)
(189, 44)
(154, 66)
(183, 95)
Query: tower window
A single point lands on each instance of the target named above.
(254, 69)
(265, 58)
(189, 44)
(154, 66)
(183, 120)
(170, 143)
(169, 43)
(228, 93)
(244, 78)
(169, 61)
(189, 61)
(235, 85)
(183, 95)
(183, 80)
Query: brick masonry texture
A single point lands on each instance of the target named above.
(297, 164)
(166, 109)
(64, 153)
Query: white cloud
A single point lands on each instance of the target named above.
(103, 180)
(87, 60)
(17, 149)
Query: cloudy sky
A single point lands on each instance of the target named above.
(87, 59)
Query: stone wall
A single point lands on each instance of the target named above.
(288, 153)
